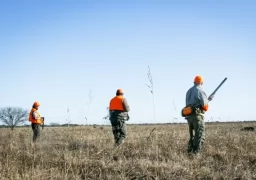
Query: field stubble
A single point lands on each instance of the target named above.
(87, 153)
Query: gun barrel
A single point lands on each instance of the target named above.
(218, 87)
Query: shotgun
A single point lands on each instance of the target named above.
(43, 122)
(213, 93)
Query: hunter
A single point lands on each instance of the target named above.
(36, 120)
(196, 98)
(118, 114)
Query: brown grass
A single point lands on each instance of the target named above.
(87, 153)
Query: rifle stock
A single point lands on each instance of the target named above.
(43, 122)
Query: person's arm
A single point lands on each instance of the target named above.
(35, 116)
(203, 100)
(125, 105)
(188, 94)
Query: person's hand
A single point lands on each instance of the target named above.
(210, 98)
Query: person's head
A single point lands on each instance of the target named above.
(36, 105)
(119, 92)
(198, 80)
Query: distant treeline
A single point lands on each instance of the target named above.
(142, 124)
(55, 125)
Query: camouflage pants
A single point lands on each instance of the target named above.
(196, 132)
(36, 131)
(118, 129)
(117, 120)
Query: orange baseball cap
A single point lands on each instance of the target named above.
(198, 79)
(120, 91)
(36, 104)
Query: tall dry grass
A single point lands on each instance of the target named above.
(87, 153)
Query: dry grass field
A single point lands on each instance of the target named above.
(87, 153)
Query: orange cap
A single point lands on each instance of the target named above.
(36, 104)
(120, 91)
(198, 79)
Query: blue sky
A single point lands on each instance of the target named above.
(56, 52)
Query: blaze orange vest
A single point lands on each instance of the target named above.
(116, 103)
(32, 119)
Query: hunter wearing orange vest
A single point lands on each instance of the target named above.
(36, 120)
(118, 110)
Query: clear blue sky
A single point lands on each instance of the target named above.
(56, 52)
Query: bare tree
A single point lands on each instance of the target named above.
(13, 116)
(54, 124)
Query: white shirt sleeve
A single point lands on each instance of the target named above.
(35, 115)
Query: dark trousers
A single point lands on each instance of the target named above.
(119, 130)
(36, 131)
(196, 133)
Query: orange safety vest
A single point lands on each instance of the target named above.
(32, 119)
(116, 103)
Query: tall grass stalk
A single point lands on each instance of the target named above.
(151, 88)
